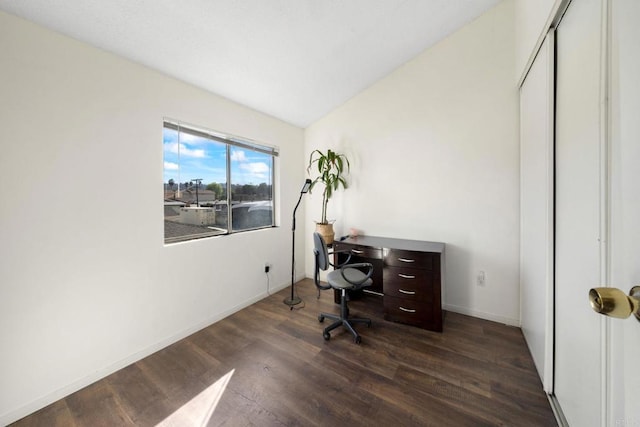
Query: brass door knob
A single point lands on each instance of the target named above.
(615, 303)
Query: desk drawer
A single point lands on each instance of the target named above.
(410, 283)
(359, 251)
(411, 312)
(400, 258)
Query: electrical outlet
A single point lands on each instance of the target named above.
(267, 267)
(481, 278)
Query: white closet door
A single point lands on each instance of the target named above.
(536, 207)
(579, 335)
(625, 207)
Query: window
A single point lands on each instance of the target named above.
(214, 183)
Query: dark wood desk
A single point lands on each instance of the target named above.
(408, 275)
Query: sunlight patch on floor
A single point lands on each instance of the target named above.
(198, 411)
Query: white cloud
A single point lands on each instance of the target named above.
(238, 156)
(170, 166)
(173, 147)
(255, 168)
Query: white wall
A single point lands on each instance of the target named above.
(434, 151)
(86, 283)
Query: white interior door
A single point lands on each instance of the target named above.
(579, 335)
(536, 208)
(624, 378)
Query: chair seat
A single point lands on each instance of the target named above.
(337, 281)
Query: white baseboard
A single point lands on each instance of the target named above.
(482, 315)
(49, 398)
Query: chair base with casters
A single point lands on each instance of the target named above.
(345, 277)
(342, 320)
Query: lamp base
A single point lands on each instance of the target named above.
(292, 301)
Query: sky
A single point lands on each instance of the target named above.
(193, 157)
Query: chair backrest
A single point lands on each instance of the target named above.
(321, 252)
(322, 261)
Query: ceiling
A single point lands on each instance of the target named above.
(293, 59)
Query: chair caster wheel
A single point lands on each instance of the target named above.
(357, 340)
(320, 319)
(326, 336)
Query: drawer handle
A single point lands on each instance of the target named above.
(357, 252)
(405, 276)
(406, 260)
(402, 291)
(407, 310)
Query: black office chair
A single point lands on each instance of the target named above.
(345, 277)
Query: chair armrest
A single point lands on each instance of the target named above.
(343, 263)
(357, 266)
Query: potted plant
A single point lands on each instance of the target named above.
(331, 168)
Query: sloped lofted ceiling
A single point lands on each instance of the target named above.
(293, 59)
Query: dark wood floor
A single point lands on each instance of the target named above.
(269, 366)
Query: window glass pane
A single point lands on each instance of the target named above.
(214, 183)
(195, 176)
(251, 189)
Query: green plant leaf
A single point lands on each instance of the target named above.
(331, 168)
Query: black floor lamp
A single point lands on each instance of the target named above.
(294, 299)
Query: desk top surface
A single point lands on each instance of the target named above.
(392, 243)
